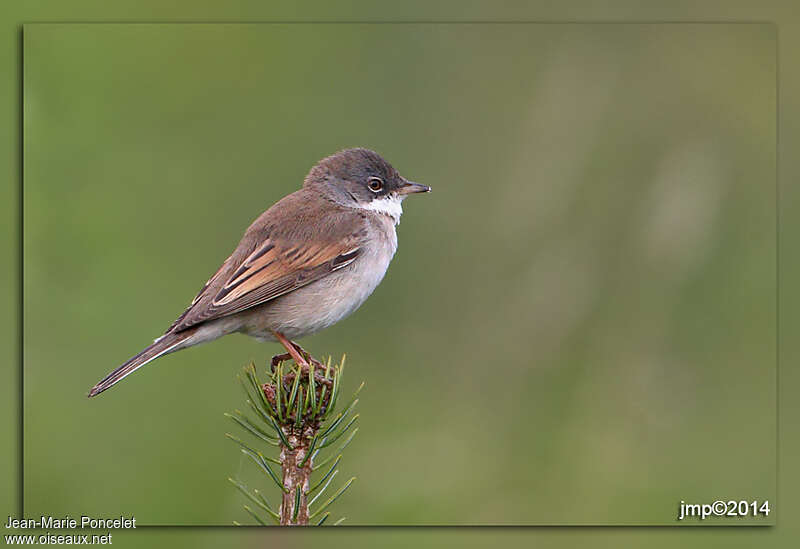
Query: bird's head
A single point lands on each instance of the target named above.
(361, 178)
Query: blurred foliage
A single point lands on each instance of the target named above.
(579, 326)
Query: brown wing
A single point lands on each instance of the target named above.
(274, 258)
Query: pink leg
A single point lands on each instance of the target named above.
(298, 358)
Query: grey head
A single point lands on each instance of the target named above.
(362, 178)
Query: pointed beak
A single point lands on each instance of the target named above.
(409, 187)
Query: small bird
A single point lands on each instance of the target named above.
(306, 263)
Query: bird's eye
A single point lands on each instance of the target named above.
(375, 184)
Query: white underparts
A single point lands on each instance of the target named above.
(390, 205)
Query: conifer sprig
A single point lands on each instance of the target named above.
(295, 411)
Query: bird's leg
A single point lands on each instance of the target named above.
(296, 352)
(319, 367)
(298, 358)
(317, 364)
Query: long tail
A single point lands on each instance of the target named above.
(162, 346)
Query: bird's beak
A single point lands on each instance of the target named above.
(409, 187)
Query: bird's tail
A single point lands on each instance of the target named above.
(162, 346)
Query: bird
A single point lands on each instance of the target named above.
(306, 263)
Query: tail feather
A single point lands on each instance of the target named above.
(164, 345)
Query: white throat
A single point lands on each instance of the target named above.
(391, 205)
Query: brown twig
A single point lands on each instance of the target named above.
(296, 476)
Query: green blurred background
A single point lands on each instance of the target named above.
(578, 328)
(787, 24)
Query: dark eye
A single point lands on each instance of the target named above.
(375, 184)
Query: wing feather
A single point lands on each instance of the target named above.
(276, 265)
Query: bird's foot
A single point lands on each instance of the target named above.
(302, 358)
(319, 376)
(319, 370)
(305, 354)
(292, 348)
(277, 359)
